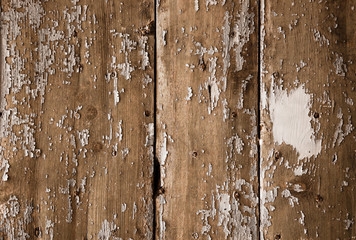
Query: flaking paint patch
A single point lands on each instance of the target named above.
(291, 121)
(196, 5)
(238, 222)
(106, 230)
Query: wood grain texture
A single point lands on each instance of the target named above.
(308, 118)
(76, 119)
(207, 119)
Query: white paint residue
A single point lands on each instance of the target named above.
(243, 29)
(116, 92)
(291, 199)
(210, 2)
(4, 165)
(49, 228)
(164, 33)
(125, 152)
(348, 222)
(212, 85)
(226, 110)
(150, 134)
(210, 169)
(340, 134)
(300, 65)
(196, 5)
(291, 120)
(340, 66)
(224, 212)
(238, 220)
(318, 37)
(302, 218)
(190, 94)
(163, 152)
(298, 171)
(205, 215)
(234, 143)
(83, 137)
(334, 160)
(123, 207)
(127, 46)
(134, 210)
(240, 103)
(119, 133)
(143, 52)
(146, 80)
(162, 224)
(106, 230)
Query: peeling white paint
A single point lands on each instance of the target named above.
(196, 5)
(291, 121)
(190, 94)
(106, 230)
(340, 66)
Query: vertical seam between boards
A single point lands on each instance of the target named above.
(155, 178)
(259, 79)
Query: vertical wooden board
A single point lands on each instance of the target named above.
(207, 109)
(308, 118)
(77, 122)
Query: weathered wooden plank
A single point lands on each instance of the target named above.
(207, 119)
(308, 118)
(76, 119)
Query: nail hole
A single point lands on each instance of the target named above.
(148, 29)
(276, 75)
(316, 115)
(114, 153)
(37, 153)
(202, 65)
(277, 155)
(194, 154)
(37, 232)
(161, 191)
(236, 195)
(318, 198)
(195, 235)
(278, 236)
(147, 113)
(234, 114)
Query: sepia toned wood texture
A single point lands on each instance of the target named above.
(77, 123)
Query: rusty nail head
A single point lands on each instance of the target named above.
(318, 198)
(37, 231)
(276, 74)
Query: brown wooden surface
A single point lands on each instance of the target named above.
(207, 142)
(60, 122)
(310, 46)
(207, 119)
